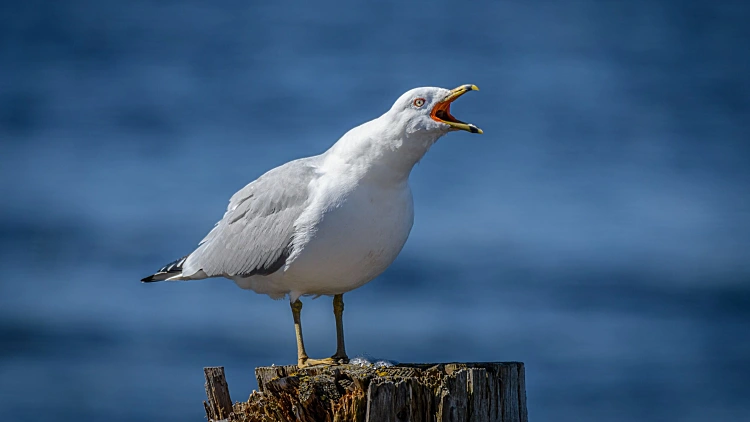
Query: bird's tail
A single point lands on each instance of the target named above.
(172, 269)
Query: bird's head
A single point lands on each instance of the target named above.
(389, 146)
(428, 110)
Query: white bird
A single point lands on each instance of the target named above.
(327, 224)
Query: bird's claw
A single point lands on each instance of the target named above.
(332, 361)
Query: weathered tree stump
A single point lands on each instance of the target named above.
(479, 392)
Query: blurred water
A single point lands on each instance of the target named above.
(599, 231)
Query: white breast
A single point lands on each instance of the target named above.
(355, 233)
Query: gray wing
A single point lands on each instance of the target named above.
(255, 235)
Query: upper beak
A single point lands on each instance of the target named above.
(442, 110)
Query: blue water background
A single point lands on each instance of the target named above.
(598, 231)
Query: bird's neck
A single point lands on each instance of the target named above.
(380, 150)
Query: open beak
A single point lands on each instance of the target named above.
(442, 110)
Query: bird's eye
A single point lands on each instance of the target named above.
(419, 102)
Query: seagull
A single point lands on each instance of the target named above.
(327, 224)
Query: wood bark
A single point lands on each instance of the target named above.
(219, 405)
(450, 392)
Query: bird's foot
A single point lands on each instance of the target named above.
(332, 361)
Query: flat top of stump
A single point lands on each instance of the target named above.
(265, 374)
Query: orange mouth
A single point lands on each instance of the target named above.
(442, 110)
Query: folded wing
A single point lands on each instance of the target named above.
(255, 235)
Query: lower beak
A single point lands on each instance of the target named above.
(442, 110)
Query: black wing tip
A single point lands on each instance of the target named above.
(159, 276)
(173, 267)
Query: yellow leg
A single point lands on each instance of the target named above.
(301, 354)
(338, 312)
(340, 356)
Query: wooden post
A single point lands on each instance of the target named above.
(219, 404)
(444, 392)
